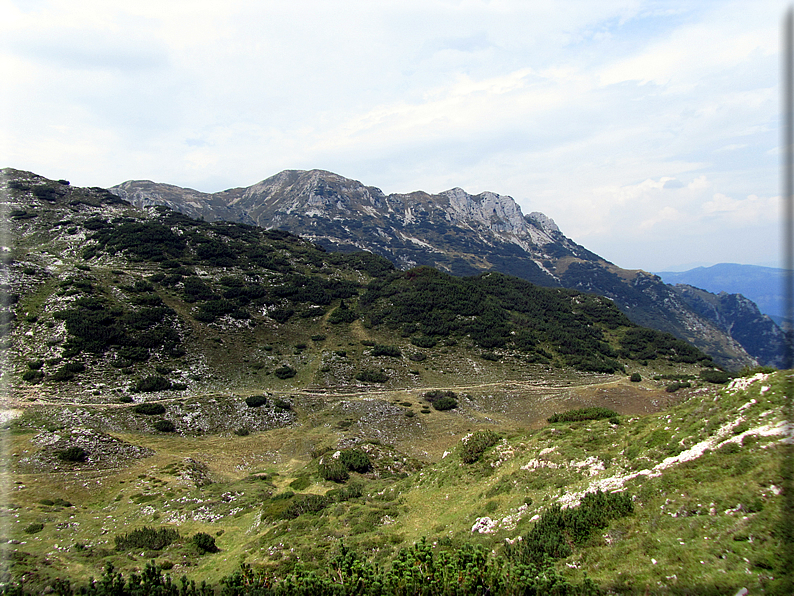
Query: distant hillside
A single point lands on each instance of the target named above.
(762, 285)
(452, 231)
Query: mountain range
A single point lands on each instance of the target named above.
(465, 234)
(762, 285)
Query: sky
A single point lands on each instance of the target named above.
(649, 130)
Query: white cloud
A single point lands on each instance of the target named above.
(611, 117)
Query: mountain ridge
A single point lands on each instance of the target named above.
(459, 233)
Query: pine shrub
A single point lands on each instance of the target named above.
(146, 538)
(149, 409)
(473, 446)
(204, 543)
(73, 454)
(581, 414)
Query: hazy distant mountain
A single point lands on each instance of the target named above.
(453, 231)
(762, 285)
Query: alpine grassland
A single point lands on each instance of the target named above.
(213, 408)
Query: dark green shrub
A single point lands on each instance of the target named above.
(146, 538)
(318, 337)
(473, 446)
(149, 409)
(285, 372)
(35, 364)
(125, 399)
(33, 376)
(333, 470)
(489, 356)
(73, 454)
(445, 403)
(256, 401)
(442, 400)
(355, 460)
(417, 356)
(715, 376)
(381, 350)
(204, 543)
(635, 377)
(242, 432)
(164, 426)
(342, 314)
(67, 372)
(153, 383)
(300, 483)
(558, 529)
(281, 405)
(372, 376)
(34, 528)
(676, 385)
(581, 414)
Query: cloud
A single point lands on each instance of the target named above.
(620, 119)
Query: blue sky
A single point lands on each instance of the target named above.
(648, 130)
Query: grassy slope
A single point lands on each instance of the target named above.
(227, 361)
(706, 522)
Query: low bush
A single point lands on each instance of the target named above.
(417, 356)
(242, 432)
(581, 414)
(442, 400)
(489, 356)
(306, 504)
(382, 350)
(474, 445)
(333, 470)
(149, 409)
(342, 314)
(152, 383)
(73, 454)
(281, 405)
(256, 401)
(635, 377)
(445, 403)
(285, 372)
(146, 538)
(355, 460)
(204, 543)
(34, 528)
(715, 376)
(676, 385)
(33, 376)
(164, 426)
(558, 529)
(372, 376)
(301, 483)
